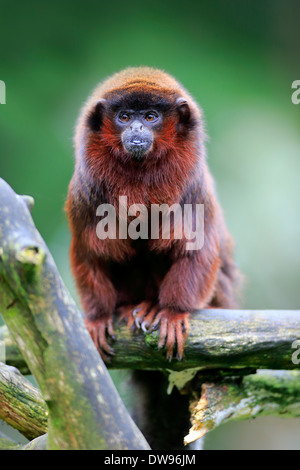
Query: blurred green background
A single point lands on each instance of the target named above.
(237, 58)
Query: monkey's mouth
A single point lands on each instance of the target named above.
(137, 142)
(137, 147)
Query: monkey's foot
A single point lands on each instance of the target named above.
(135, 315)
(125, 312)
(173, 326)
(100, 330)
(173, 329)
(144, 314)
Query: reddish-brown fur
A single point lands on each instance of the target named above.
(150, 282)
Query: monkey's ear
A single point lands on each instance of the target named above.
(95, 118)
(183, 111)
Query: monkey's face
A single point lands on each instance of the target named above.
(140, 125)
(137, 130)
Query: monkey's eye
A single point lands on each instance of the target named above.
(124, 117)
(151, 117)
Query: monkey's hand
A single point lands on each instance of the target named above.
(173, 325)
(99, 330)
(173, 328)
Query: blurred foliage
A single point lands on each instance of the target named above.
(238, 59)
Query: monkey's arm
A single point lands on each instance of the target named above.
(98, 296)
(97, 293)
(191, 280)
(188, 285)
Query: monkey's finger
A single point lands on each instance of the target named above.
(105, 357)
(140, 312)
(180, 339)
(185, 323)
(135, 311)
(104, 346)
(148, 320)
(125, 313)
(102, 341)
(163, 332)
(171, 335)
(110, 330)
(138, 321)
(156, 322)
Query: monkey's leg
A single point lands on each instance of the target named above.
(98, 298)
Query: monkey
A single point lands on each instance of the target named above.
(141, 135)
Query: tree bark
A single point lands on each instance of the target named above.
(85, 410)
(21, 404)
(218, 339)
(275, 393)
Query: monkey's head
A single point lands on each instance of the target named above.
(139, 114)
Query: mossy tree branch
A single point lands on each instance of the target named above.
(85, 411)
(265, 393)
(21, 404)
(218, 339)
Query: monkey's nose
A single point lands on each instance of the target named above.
(136, 126)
